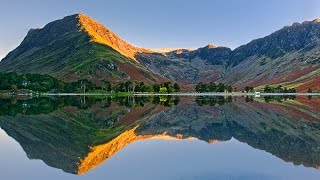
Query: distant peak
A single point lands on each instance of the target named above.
(167, 50)
(211, 46)
(78, 15)
(317, 20)
(83, 16)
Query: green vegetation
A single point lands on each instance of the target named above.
(213, 100)
(278, 89)
(137, 86)
(212, 87)
(44, 83)
(34, 82)
(46, 105)
(279, 99)
(249, 89)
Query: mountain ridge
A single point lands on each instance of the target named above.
(100, 34)
(79, 47)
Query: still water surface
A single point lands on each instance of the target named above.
(160, 138)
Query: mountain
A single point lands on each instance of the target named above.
(287, 57)
(189, 66)
(77, 47)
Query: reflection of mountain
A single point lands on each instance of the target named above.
(63, 137)
(77, 140)
(290, 130)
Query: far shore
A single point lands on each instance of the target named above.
(182, 94)
(158, 94)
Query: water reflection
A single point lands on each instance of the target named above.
(77, 134)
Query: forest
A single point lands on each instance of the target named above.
(44, 83)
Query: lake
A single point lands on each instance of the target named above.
(160, 137)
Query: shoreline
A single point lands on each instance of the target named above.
(181, 94)
(156, 94)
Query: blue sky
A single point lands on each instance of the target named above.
(165, 23)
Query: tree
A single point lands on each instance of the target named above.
(221, 87)
(247, 88)
(309, 90)
(176, 87)
(229, 88)
(163, 90)
(137, 86)
(106, 85)
(199, 87)
(212, 87)
(129, 86)
(14, 88)
(267, 89)
(156, 88)
(278, 89)
(235, 89)
(292, 90)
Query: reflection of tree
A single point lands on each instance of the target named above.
(279, 98)
(168, 101)
(213, 100)
(249, 99)
(45, 105)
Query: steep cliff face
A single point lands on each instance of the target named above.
(100, 34)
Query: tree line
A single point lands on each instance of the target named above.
(138, 86)
(213, 87)
(46, 83)
(278, 89)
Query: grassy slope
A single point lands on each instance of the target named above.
(300, 70)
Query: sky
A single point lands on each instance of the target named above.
(161, 24)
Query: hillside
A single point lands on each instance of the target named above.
(77, 47)
(288, 57)
(189, 66)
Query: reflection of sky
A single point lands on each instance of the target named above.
(159, 159)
